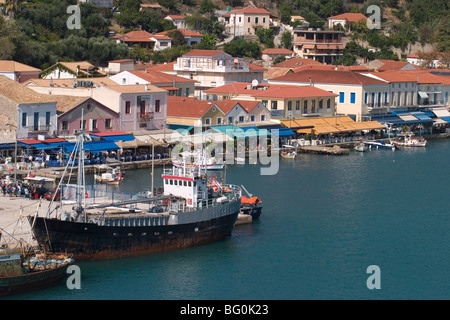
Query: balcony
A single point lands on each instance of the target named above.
(145, 116)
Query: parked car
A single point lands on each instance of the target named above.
(49, 195)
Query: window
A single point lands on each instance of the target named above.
(264, 20)
(248, 19)
(47, 118)
(157, 106)
(379, 98)
(252, 117)
(366, 96)
(108, 123)
(352, 97)
(124, 81)
(230, 119)
(24, 119)
(263, 117)
(83, 125)
(256, 19)
(219, 120)
(187, 92)
(208, 121)
(241, 119)
(36, 121)
(65, 125)
(320, 105)
(274, 105)
(313, 106)
(94, 124)
(305, 106)
(341, 97)
(240, 19)
(289, 105)
(328, 105)
(385, 97)
(297, 105)
(127, 107)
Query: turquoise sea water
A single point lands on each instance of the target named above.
(325, 221)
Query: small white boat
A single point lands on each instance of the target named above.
(361, 147)
(408, 140)
(289, 154)
(111, 176)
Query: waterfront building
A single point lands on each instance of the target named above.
(283, 101)
(96, 116)
(358, 94)
(25, 113)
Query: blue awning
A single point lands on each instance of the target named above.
(7, 146)
(94, 146)
(127, 137)
(48, 146)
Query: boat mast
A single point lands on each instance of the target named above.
(81, 199)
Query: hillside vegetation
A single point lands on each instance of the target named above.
(34, 32)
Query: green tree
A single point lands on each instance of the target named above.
(265, 37)
(207, 6)
(238, 47)
(286, 40)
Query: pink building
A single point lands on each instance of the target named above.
(96, 116)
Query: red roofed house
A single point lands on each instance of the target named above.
(245, 21)
(213, 68)
(177, 20)
(190, 112)
(191, 37)
(18, 71)
(357, 94)
(390, 65)
(282, 100)
(144, 39)
(243, 111)
(271, 54)
(344, 18)
(178, 86)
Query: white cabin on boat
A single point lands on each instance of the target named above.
(187, 183)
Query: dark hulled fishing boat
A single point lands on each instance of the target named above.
(188, 213)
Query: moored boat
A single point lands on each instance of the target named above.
(187, 213)
(409, 140)
(361, 147)
(111, 176)
(290, 153)
(380, 144)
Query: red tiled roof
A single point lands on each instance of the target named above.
(271, 90)
(391, 65)
(175, 17)
(111, 133)
(277, 51)
(135, 36)
(251, 11)
(184, 32)
(296, 62)
(36, 141)
(328, 76)
(154, 76)
(186, 107)
(352, 17)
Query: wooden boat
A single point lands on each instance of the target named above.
(23, 270)
(380, 144)
(22, 273)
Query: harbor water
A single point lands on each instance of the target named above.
(325, 220)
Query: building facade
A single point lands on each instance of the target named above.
(320, 45)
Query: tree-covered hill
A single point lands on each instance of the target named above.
(34, 32)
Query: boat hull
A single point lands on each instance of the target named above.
(90, 241)
(32, 281)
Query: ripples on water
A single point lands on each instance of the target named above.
(325, 220)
